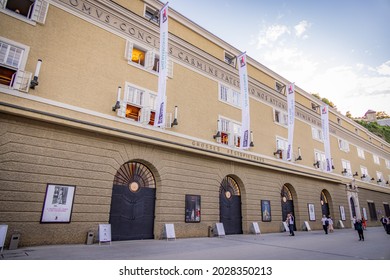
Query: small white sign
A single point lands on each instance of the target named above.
(3, 234)
(307, 226)
(285, 226)
(169, 230)
(104, 233)
(341, 224)
(219, 230)
(255, 228)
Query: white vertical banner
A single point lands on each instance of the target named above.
(291, 119)
(325, 133)
(242, 71)
(163, 69)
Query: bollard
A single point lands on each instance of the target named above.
(13, 245)
(90, 236)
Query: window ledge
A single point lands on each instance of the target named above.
(17, 16)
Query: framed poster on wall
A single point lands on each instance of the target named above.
(342, 213)
(266, 211)
(192, 209)
(312, 213)
(58, 204)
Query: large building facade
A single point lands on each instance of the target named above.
(71, 159)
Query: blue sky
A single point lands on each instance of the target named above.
(339, 49)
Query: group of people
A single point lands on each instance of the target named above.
(327, 224)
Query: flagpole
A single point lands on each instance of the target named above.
(160, 116)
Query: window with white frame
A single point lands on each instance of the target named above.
(376, 159)
(379, 177)
(387, 163)
(316, 133)
(280, 117)
(364, 171)
(343, 145)
(281, 148)
(230, 132)
(145, 58)
(13, 57)
(360, 153)
(229, 95)
(138, 104)
(346, 165)
(32, 10)
(320, 160)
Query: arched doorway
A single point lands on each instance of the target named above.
(324, 204)
(133, 203)
(287, 203)
(230, 206)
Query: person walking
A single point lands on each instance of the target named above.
(330, 226)
(325, 223)
(290, 223)
(359, 228)
(384, 222)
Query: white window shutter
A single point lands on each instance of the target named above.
(129, 50)
(2, 4)
(122, 110)
(149, 63)
(39, 11)
(168, 120)
(145, 115)
(170, 68)
(21, 80)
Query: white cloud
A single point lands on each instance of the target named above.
(271, 34)
(301, 28)
(384, 69)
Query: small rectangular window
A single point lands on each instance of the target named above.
(230, 59)
(344, 145)
(152, 14)
(360, 152)
(376, 159)
(280, 117)
(316, 133)
(279, 87)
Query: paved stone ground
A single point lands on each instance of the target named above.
(343, 244)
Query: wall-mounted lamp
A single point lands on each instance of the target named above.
(217, 136)
(372, 179)
(387, 182)
(317, 164)
(117, 104)
(379, 180)
(278, 152)
(344, 172)
(251, 143)
(356, 174)
(175, 118)
(34, 81)
(332, 163)
(364, 176)
(299, 154)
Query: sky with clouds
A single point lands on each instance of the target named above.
(339, 49)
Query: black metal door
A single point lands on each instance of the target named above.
(132, 213)
(133, 203)
(230, 206)
(325, 209)
(353, 207)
